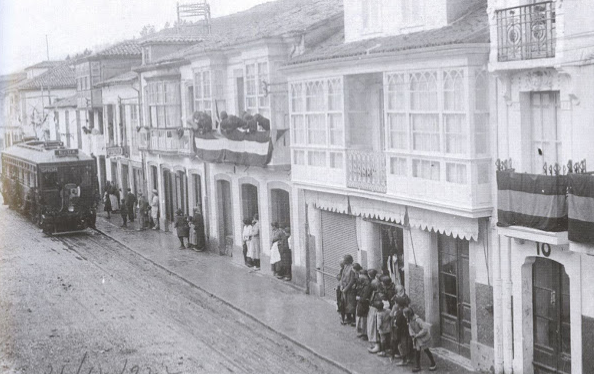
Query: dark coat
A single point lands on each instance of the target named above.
(198, 222)
(364, 293)
(130, 201)
(285, 251)
(107, 207)
(181, 226)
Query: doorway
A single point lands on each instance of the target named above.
(281, 207)
(168, 192)
(249, 200)
(454, 294)
(225, 217)
(137, 180)
(392, 243)
(180, 192)
(114, 173)
(552, 326)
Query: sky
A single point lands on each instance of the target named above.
(73, 25)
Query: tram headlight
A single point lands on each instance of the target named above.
(71, 208)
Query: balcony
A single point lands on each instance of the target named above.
(526, 32)
(366, 170)
(168, 141)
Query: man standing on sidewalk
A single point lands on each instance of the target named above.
(155, 209)
(143, 209)
(130, 202)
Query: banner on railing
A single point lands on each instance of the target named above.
(236, 148)
(530, 200)
(581, 208)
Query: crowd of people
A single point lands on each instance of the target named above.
(381, 312)
(189, 229)
(281, 258)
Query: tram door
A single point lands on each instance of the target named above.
(552, 328)
(454, 295)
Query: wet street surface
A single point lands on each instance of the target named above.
(85, 304)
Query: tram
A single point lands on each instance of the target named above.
(55, 187)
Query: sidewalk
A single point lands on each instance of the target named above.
(308, 321)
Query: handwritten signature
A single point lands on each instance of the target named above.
(132, 369)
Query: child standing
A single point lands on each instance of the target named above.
(384, 327)
(421, 337)
(400, 336)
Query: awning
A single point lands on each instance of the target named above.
(376, 209)
(442, 223)
(327, 201)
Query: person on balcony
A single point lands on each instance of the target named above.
(262, 122)
(230, 123)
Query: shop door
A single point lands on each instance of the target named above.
(454, 295)
(392, 239)
(114, 172)
(552, 328)
(339, 238)
(225, 217)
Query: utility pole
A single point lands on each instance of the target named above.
(47, 46)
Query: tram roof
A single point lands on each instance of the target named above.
(39, 152)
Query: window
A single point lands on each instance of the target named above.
(256, 88)
(164, 104)
(299, 157)
(546, 130)
(95, 73)
(336, 160)
(425, 132)
(398, 166)
(317, 121)
(202, 91)
(456, 173)
(146, 55)
(317, 158)
(426, 169)
(411, 12)
(371, 12)
(481, 113)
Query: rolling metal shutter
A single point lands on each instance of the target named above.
(339, 237)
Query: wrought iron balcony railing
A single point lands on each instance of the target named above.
(366, 170)
(526, 32)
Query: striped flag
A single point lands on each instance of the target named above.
(581, 208)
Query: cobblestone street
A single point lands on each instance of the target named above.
(73, 303)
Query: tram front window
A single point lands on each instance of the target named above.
(50, 180)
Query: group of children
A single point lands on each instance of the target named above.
(381, 312)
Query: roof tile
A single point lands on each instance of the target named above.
(472, 28)
(62, 76)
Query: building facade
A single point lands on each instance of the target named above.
(541, 56)
(391, 160)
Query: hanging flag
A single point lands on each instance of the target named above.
(581, 208)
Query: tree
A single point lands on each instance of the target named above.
(147, 30)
